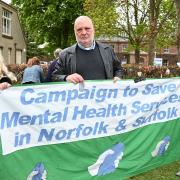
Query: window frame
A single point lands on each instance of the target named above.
(166, 50)
(124, 47)
(6, 22)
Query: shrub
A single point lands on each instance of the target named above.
(130, 71)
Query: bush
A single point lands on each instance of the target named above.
(151, 71)
(129, 70)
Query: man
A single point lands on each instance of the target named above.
(88, 59)
(52, 65)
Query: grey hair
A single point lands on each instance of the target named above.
(56, 52)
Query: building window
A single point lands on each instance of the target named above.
(166, 50)
(1, 51)
(18, 56)
(124, 47)
(165, 62)
(9, 55)
(6, 22)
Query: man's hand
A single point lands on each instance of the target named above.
(115, 79)
(4, 85)
(75, 78)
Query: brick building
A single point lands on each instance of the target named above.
(168, 54)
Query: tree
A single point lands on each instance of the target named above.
(177, 3)
(50, 21)
(161, 14)
(104, 16)
(147, 23)
(114, 18)
(133, 20)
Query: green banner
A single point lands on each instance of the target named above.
(70, 161)
(105, 132)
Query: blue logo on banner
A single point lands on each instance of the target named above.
(161, 147)
(108, 161)
(38, 173)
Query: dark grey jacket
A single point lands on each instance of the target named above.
(66, 63)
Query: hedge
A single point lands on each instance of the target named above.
(130, 71)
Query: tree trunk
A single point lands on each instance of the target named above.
(177, 3)
(154, 11)
(137, 56)
(151, 52)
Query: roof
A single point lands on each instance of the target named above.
(8, 5)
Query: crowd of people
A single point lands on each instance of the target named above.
(85, 60)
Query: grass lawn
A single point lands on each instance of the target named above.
(167, 172)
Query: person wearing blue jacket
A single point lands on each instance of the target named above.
(33, 73)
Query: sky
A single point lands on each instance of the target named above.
(7, 1)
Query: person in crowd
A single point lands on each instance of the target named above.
(6, 77)
(87, 59)
(52, 65)
(33, 72)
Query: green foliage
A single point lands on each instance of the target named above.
(166, 24)
(148, 24)
(52, 21)
(104, 16)
(49, 20)
(133, 20)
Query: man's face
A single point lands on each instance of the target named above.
(84, 31)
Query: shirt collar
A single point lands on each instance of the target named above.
(89, 48)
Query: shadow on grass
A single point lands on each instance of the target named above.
(167, 172)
